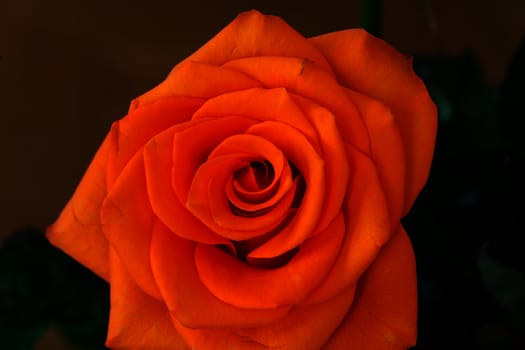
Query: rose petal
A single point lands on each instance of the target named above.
(244, 286)
(78, 230)
(254, 34)
(137, 321)
(370, 66)
(185, 295)
(386, 151)
(127, 219)
(367, 228)
(303, 328)
(194, 79)
(303, 78)
(133, 131)
(262, 104)
(334, 157)
(384, 312)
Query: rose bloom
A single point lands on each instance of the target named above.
(253, 199)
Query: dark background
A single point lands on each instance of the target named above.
(69, 69)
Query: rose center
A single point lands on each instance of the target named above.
(256, 176)
(257, 184)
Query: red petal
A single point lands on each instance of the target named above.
(191, 78)
(386, 151)
(127, 219)
(253, 34)
(384, 312)
(136, 320)
(244, 286)
(159, 167)
(262, 104)
(172, 260)
(304, 328)
(131, 133)
(334, 156)
(303, 78)
(367, 228)
(193, 144)
(370, 66)
(301, 153)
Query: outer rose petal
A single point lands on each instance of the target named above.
(253, 34)
(261, 104)
(370, 66)
(384, 313)
(333, 154)
(304, 328)
(78, 230)
(367, 228)
(196, 79)
(189, 301)
(306, 79)
(386, 151)
(138, 127)
(245, 286)
(127, 219)
(136, 320)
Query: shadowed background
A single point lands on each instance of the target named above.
(69, 69)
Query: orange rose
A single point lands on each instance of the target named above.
(253, 199)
